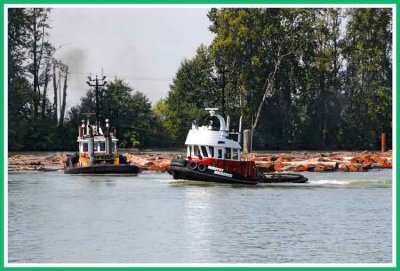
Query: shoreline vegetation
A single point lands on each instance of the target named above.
(297, 161)
(300, 78)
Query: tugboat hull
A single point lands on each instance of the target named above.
(179, 170)
(103, 169)
(189, 174)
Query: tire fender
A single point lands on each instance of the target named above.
(201, 167)
(192, 165)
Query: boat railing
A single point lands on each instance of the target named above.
(104, 156)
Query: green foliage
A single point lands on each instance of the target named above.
(249, 42)
(332, 88)
(128, 110)
(192, 90)
(18, 25)
(368, 78)
(330, 72)
(31, 69)
(28, 50)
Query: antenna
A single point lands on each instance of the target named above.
(240, 130)
(220, 80)
(98, 82)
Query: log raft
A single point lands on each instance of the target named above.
(277, 162)
(321, 162)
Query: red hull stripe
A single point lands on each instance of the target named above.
(244, 168)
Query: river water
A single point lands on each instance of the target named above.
(151, 218)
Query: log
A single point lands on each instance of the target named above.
(294, 161)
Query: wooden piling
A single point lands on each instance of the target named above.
(246, 141)
(383, 142)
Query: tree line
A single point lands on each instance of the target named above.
(301, 78)
(32, 72)
(40, 121)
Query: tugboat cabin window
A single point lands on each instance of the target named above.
(97, 146)
(102, 146)
(219, 153)
(85, 147)
(211, 149)
(235, 154)
(227, 153)
(196, 151)
(204, 151)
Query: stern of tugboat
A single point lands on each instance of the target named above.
(175, 167)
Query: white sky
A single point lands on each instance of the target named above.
(143, 46)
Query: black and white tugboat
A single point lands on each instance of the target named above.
(214, 157)
(98, 152)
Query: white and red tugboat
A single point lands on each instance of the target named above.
(213, 157)
(98, 152)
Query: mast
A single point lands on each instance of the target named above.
(220, 81)
(98, 83)
(222, 84)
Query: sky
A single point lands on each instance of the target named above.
(143, 46)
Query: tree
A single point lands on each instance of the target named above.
(30, 63)
(19, 89)
(262, 49)
(368, 84)
(322, 95)
(128, 110)
(45, 78)
(64, 70)
(193, 89)
(37, 35)
(301, 78)
(17, 41)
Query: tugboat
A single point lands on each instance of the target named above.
(214, 157)
(98, 152)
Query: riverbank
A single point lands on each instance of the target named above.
(31, 162)
(269, 162)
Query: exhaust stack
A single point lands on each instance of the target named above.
(82, 129)
(91, 145)
(108, 138)
(240, 130)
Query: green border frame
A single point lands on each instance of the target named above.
(172, 2)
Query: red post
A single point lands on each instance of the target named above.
(383, 142)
